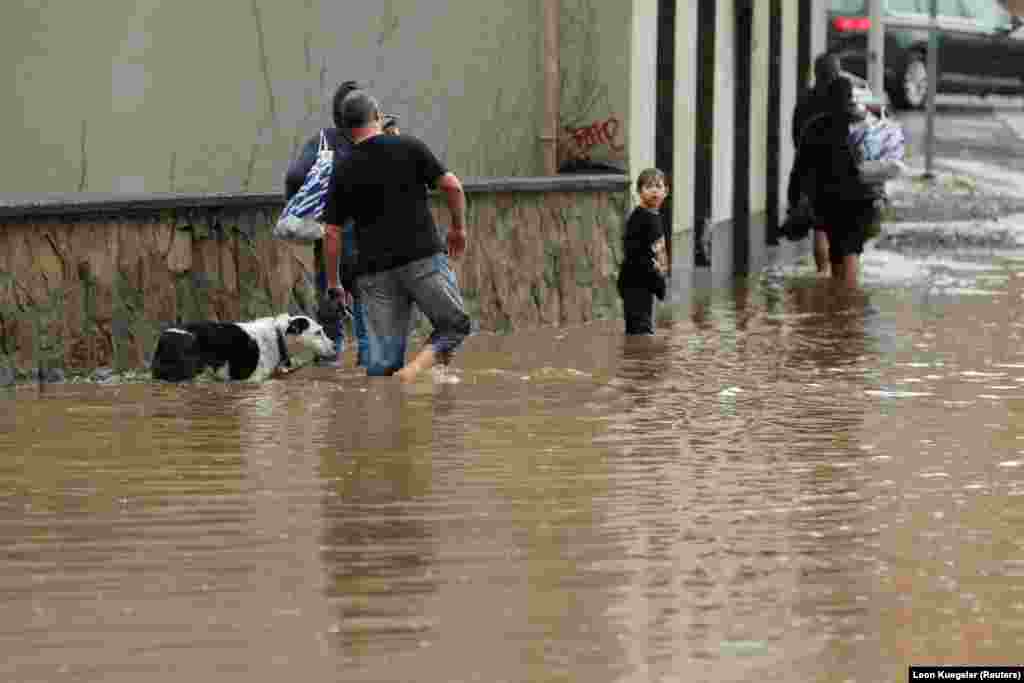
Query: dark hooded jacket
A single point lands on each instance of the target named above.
(826, 165)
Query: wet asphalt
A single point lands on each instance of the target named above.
(977, 168)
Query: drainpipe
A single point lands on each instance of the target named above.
(551, 13)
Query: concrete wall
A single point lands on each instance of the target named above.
(196, 97)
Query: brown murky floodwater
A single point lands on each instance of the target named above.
(783, 486)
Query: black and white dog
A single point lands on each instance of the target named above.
(242, 351)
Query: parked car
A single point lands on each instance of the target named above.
(981, 51)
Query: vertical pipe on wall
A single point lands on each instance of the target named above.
(551, 11)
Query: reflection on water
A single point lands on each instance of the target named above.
(785, 484)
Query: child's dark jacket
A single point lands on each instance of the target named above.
(643, 230)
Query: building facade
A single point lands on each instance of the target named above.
(197, 98)
(719, 79)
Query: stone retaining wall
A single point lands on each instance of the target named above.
(88, 283)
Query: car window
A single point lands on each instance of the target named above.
(951, 8)
(907, 6)
(849, 6)
(989, 14)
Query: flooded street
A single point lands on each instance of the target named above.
(784, 485)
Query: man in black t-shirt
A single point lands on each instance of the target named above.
(402, 259)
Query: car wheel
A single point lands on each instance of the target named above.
(912, 91)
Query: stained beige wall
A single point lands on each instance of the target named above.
(596, 67)
(191, 96)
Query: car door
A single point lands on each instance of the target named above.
(1013, 55)
(1004, 59)
(964, 48)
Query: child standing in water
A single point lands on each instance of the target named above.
(644, 263)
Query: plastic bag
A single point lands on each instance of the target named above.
(882, 170)
(880, 147)
(300, 219)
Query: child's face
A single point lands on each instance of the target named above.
(653, 194)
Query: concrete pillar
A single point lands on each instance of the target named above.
(642, 85)
(724, 133)
(788, 82)
(761, 67)
(685, 126)
(721, 232)
(819, 26)
(759, 129)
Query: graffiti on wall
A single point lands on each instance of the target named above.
(602, 138)
(599, 133)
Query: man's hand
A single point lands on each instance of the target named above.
(456, 241)
(332, 254)
(332, 310)
(341, 295)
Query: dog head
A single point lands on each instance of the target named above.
(305, 332)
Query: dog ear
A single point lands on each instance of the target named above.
(298, 325)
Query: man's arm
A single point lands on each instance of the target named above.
(333, 216)
(451, 186)
(332, 255)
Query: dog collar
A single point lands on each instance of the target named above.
(282, 349)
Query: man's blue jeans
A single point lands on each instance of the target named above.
(348, 240)
(386, 303)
